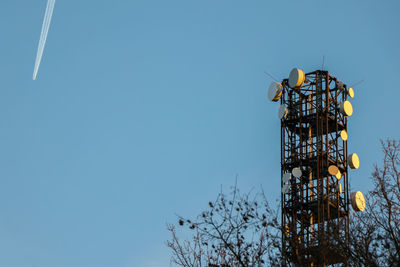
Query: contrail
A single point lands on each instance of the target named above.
(43, 35)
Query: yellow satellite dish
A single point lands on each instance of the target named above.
(350, 92)
(275, 91)
(333, 170)
(357, 201)
(296, 78)
(343, 135)
(297, 172)
(338, 175)
(283, 111)
(354, 161)
(346, 108)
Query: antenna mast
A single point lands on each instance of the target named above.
(314, 168)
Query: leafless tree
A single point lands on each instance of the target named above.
(241, 230)
(375, 233)
(384, 205)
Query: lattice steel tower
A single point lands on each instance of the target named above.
(314, 166)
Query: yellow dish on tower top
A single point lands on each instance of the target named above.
(296, 78)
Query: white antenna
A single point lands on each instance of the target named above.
(43, 35)
(272, 77)
(357, 83)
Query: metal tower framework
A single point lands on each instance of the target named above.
(313, 207)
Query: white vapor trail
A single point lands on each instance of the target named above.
(43, 35)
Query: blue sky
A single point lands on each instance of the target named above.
(143, 109)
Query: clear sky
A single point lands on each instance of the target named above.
(143, 109)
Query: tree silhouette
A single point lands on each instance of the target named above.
(241, 230)
(375, 233)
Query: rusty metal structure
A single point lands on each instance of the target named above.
(315, 203)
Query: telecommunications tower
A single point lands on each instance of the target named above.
(314, 167)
